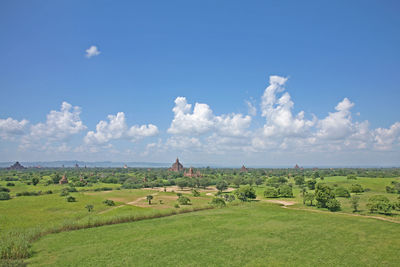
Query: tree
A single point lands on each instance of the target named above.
(109, 202)
(89, 207)
(356, 188)
(299, 180)
(245, 192)
(309, 197)
(354, 201)
(35, 180)
(342, 192)
(182, 183)
(323, 194)
(237, 181)
(149, 198)
(380, 204)
(259, 181)
(285, 191)
(204, 182)
(271, 192)
(303, 192)
(222, 185)
(333, 204)
(311, 184)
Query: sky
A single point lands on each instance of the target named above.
(260, 83)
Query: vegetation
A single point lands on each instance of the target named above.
(46, 210)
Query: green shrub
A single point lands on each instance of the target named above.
(109, 202)
(229, 197)
(4, 196)
(351, 177)
(285, 191)
(195, 193)
(311, 184)
(176, 206)
(89, 207)
(380, 204)
(245, 192)
(356, 188)
(217, 201)
(342, 192)
(10, 184)
(183, 200)
(333, 204)
(26, 193)
(271, 192)
(4, 189)
(71, 199)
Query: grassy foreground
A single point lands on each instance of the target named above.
(255, 234)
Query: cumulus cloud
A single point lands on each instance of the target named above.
(202, 120)
(116, 128)
(92, 51)
(59, 125)
(9, 128)
(386, 138)
(280, 120)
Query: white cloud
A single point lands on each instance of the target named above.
(59, 125)
(251, 109)
(280, 122)
(337, 125)
(92, 51)
(9, 128)
(386, 138)
(202, 120)
(117, 128)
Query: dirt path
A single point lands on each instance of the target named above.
(286, 204)
(113, 208)
(139, 199)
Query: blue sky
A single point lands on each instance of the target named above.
(218, 53)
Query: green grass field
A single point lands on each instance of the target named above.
(252, 234)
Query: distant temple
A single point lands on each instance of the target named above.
(76, 165)
(16, 166)
(125, 166)
(63, 180)
(244, 169)
(297, 167)
(176, 167)
(191, 173)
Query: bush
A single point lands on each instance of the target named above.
(351, 177)
(229, 198)
(333, 205)
(285, 191)
(4, 196)
(71, 199)
(4, 189)
(89, 207)
(195, 193)
(183, 200)
(380, 204)
(342, 192)
(222, 185)
(102, 189)
(26, 193)
(218, 202)
(10, 184)
(299, 180)
(176, 206)
(356, 188)
(245, 192)
(271, 192)
(109, 202)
